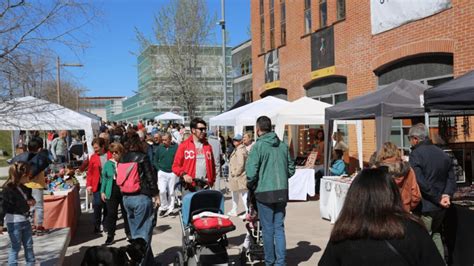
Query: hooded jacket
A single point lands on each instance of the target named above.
(434, 174)
(404, 177)
(148, 178)
(268, 168)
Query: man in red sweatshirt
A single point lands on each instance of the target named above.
(194, 158)
(94, 170)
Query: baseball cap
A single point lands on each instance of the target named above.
(237, 137)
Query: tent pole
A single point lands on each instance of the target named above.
(427, 124)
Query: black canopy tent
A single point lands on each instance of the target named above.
(456, 94)
(400, 99)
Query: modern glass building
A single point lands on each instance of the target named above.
(156, 91)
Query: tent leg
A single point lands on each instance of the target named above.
(427, 124)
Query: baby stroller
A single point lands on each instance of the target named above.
(204, 229)
(253, 247)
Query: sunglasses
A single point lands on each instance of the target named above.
(115, 152)
(202, 129)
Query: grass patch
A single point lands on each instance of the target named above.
(6, 145)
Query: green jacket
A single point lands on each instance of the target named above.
(164, 157)
(107, 178)
(268, 168)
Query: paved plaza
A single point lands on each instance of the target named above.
(306, 234)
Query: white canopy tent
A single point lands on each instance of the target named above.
(307, 111)
(30, 113)
(169, 116)
(266, 106)
(247, 114)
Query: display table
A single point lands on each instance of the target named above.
(62, 210)
(301, 184)
(331, 197)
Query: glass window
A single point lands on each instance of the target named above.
(339, 98)
(341, 9)
(282, 22)
(307, 16)
(323, 14)
(272, 24)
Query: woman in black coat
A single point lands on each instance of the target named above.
(373, 228)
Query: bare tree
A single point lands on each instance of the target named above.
(28, 32)
(182, 32)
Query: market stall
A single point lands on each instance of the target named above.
(242, 116)
(332, 195)
(400, 99)
(456, 97)
(62, 209)
(169, 116)
(30, 113)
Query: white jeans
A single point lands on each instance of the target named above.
(166, 183)
(235, 200)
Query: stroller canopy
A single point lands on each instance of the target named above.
(204, 200)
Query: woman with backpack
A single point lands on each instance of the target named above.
(138, 182)
(111, 195)
(16, 200)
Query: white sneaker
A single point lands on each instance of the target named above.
(232, 213)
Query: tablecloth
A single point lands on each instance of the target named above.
(331, 197)
(301, 184)
(62, 210)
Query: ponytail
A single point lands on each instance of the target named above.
(16, 172)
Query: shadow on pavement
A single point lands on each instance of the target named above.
(161, 229)
(303, 252)
(167, 256)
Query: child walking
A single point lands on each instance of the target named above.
(15, 203)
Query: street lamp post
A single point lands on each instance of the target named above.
(222, 24)
(58, 76)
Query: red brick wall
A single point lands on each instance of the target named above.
(357, 52)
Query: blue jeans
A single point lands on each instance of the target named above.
(140, 219)
(38, 210)
(99, 209)
(20, 233)
(140, 216)
(272, 218)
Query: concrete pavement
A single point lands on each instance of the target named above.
(306, 235)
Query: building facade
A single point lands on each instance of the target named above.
(102, 106)
(334, 50)
(242, 72)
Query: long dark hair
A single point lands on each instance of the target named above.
(372, 209)
(133, 143)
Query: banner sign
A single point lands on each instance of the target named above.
(388, 14)
(272, 66)
(322, 49)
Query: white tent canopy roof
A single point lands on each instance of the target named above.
(30, 113)
(266, 106)
(304, 111)
(229, 118)
(169, 116)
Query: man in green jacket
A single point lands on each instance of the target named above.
(268, 168)
(163, 161)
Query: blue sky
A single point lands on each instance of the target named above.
(109, 65)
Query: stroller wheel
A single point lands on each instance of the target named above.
(179, 259)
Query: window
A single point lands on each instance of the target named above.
(282, 22)
(307, 16)
(272, 24)
(262, 28)
(341, 9)
(323, 14)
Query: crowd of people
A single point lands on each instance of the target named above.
(394, 209)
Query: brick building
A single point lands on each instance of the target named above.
(328, 50)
